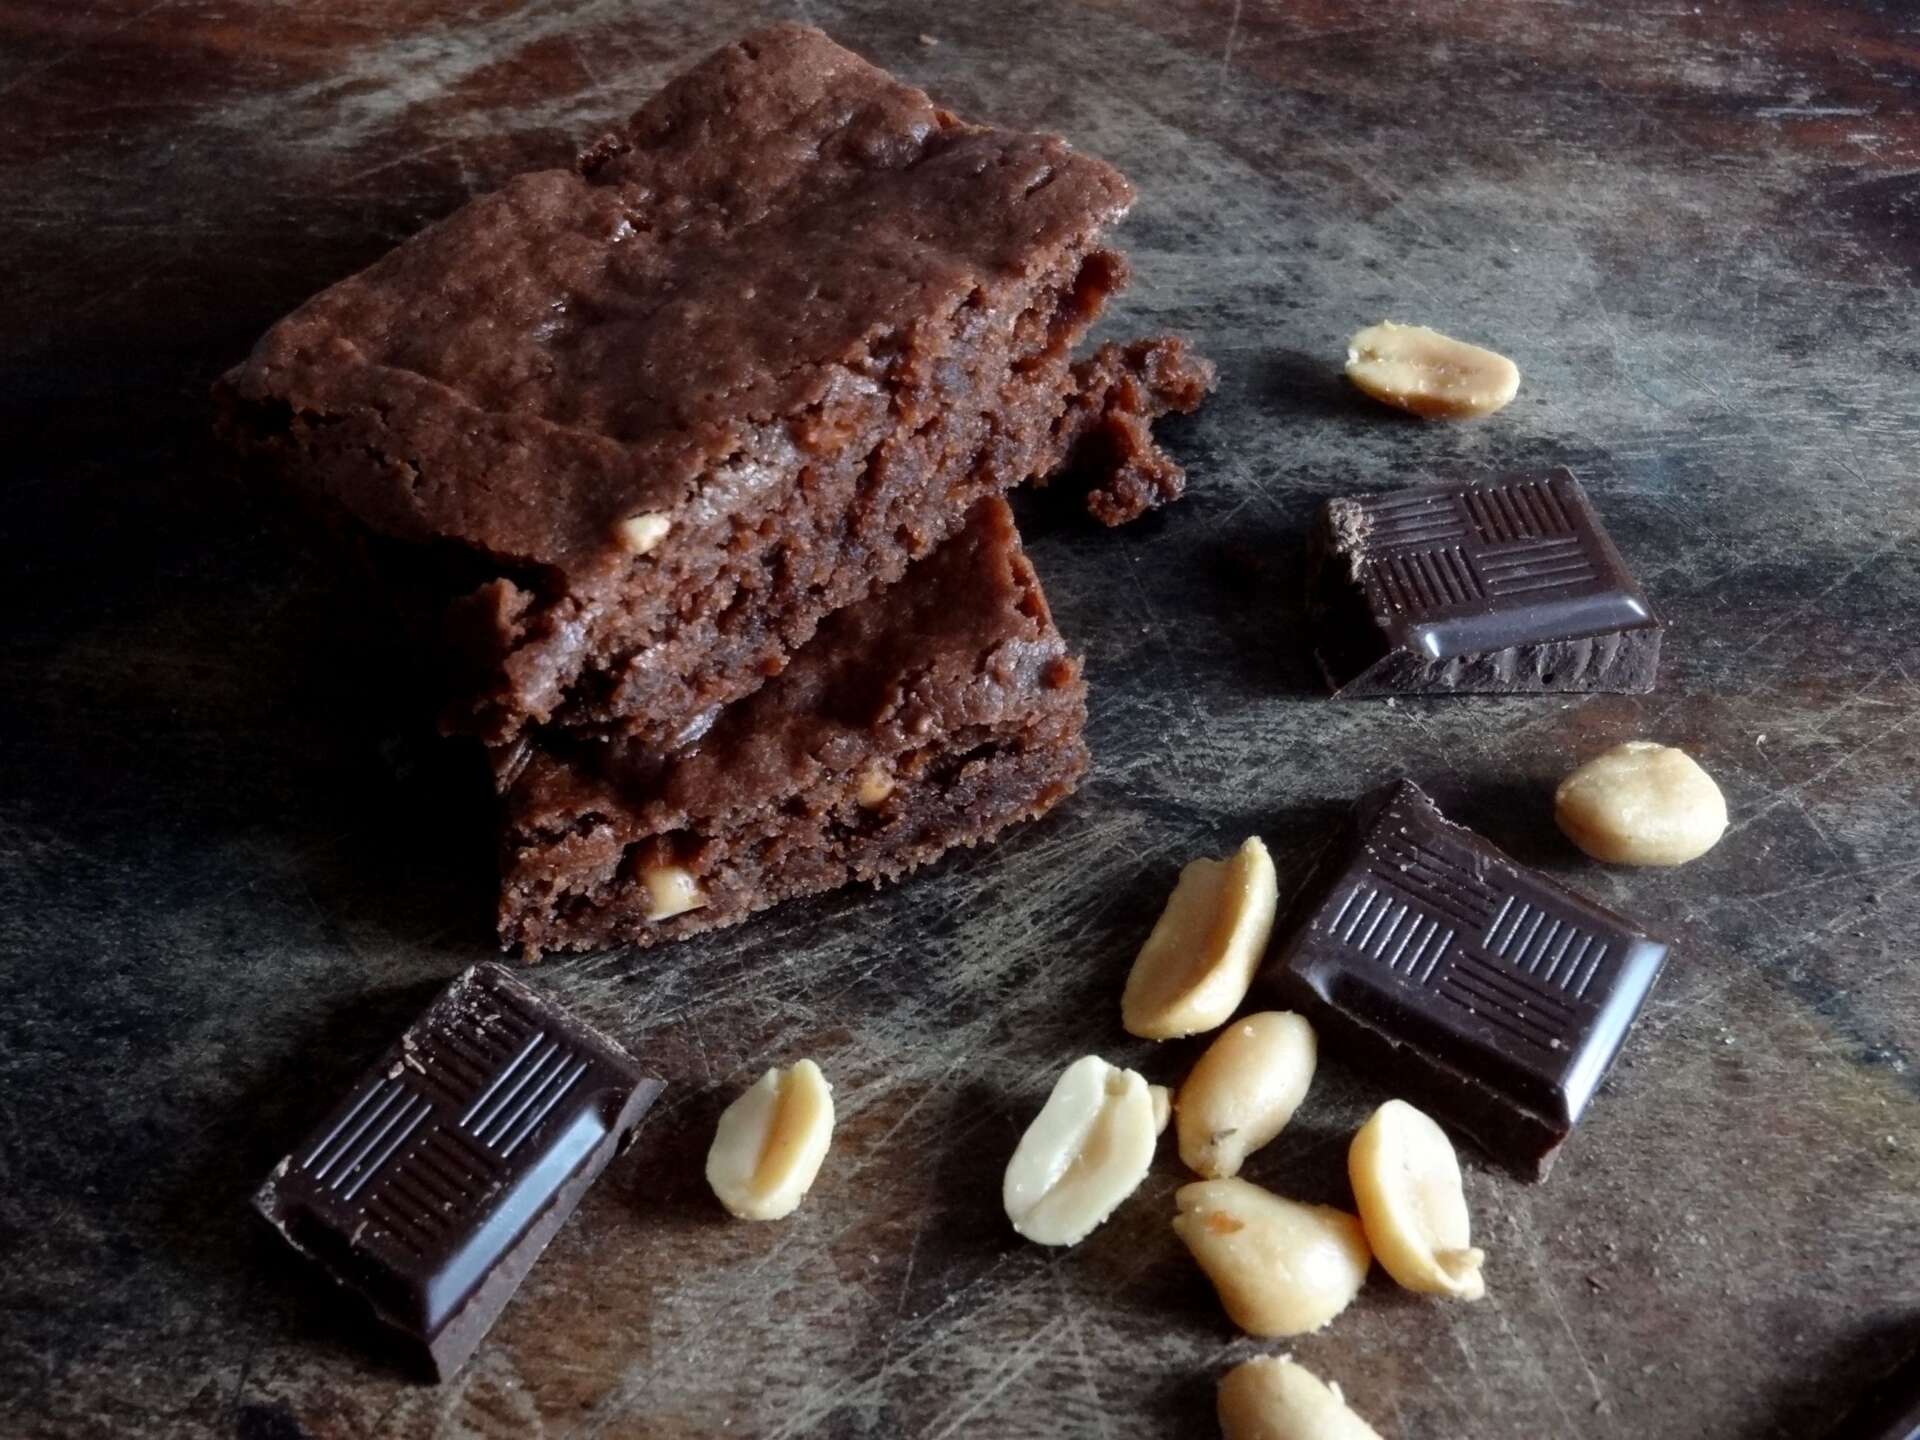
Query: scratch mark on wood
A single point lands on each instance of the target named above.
(1233, 33)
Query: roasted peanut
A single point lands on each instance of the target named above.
(1280, 1267)
(1406, 1181)
(1195, 968)
(1162, 1107)
(874, 787)
(672, 890)
(1416, 369)
(1085, 1152)
(1244, 1090)
(1269, 1398)
(1641, 804)
(641, 534)
(770, 1141)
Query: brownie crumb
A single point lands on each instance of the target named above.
(1109, 445)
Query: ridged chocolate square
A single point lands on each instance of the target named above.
(435, 1184)
(1504, 587)
(1488, 994)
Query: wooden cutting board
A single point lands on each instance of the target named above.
(226, 878)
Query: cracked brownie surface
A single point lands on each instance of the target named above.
(758, 351)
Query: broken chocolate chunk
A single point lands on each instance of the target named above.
(1501, 588)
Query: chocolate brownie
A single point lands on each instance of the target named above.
(753, 355)
(931, 715)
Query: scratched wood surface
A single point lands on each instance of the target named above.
(226, 878)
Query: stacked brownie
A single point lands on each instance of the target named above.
(694, 452)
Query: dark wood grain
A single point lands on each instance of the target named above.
(225, 880)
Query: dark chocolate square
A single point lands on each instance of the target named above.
(1490, 995)
(1505, 587)
(434, 1186)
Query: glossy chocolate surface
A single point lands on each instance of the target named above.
(1459, 588)
(433, 1186)
(1503, 996)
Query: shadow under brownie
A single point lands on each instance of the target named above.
(932, 715)
(755, 354)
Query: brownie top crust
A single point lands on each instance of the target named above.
(733, 280)
(964, 641)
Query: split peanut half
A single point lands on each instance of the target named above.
(1429, 374)
(1641, 804)
(1085, 1152)
(1195, 968)
(1280, 1267)
(1244, 1090)
(1270, 1398)
(1406, 1181)
(1162, 1107)
(770, 1142)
